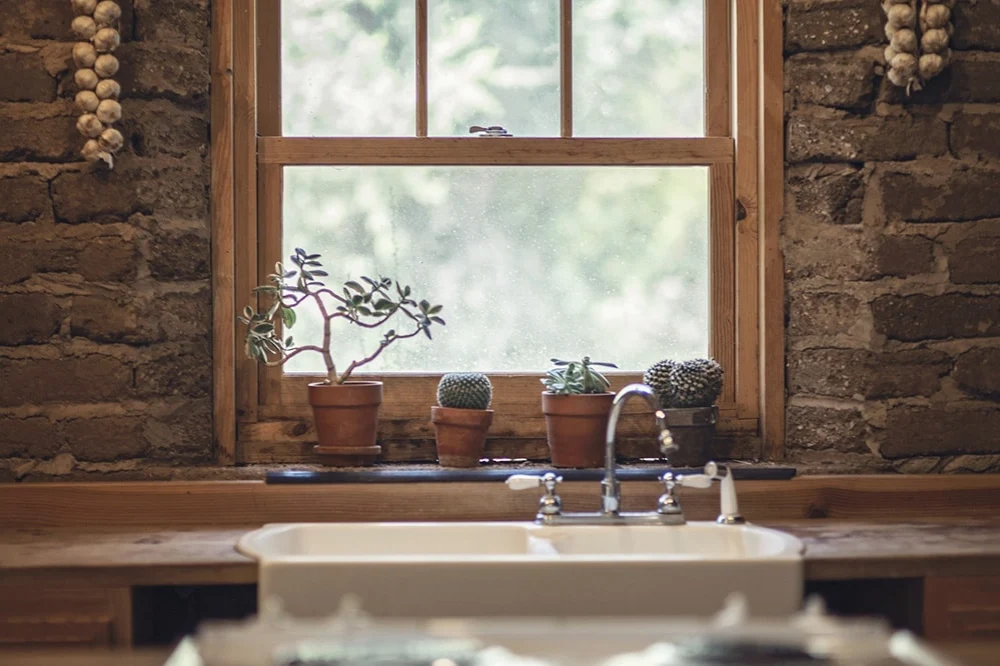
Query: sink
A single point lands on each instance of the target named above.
(519, 569)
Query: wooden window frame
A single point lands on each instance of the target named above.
(262, 416)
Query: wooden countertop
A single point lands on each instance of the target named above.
(835, 550)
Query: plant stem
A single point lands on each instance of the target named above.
(381, 347)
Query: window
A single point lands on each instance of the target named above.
(619, 220)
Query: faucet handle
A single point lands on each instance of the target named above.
(550, 504)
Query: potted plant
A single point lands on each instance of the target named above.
(345, 412)
(577, 405)
(688, 391)
(462, 417)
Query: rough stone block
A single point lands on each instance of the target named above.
(34, 437)
(977, 26)
(181, 316)
(183, 21)
(23, 79)
(929, 431)
(160, 127)
(844, 81)
(28, 318)
(902, 256)
(971, 77)
(107, 259)
(106, 439)
(976, 261)
(39, 139)
(184, 256)
(156, 70)
(849, 373)
(951, 194)
(823, 428)
(24, 198)
(812, 26)
(185, 436)
(94, 378)
(828, 194)
(807, 250)
(822, 313)
(48, 20)
(108, 318)
(187, 372)
(828, 135)
(976, 135)
(920, 317)
(94, 196)
(978, 372)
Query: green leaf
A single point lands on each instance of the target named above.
(351, 284)
(288, 342)
(248, 312)
(288, 317)
(356, 299)
(435, 309)
(383, 304)
(406, 290)
(288, 274)
(427, 332)
(265, 289)
(369, 280)
(263, 329)
(365, 311)
(438, 320)
(321, 273)
(300, 252)
(312, 256)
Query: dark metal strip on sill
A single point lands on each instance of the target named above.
(499, 474)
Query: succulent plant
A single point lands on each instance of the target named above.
(576, 377)
(367, 305)
(465, 390)
(695, 383)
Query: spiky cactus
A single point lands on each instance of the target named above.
(465, 390)
(695, 383)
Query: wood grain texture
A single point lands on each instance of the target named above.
(177, 503)
(471, 151)
(223, 262)
(718, 67)
(962, 607)
(422, 65)
(747, 248)
(270, 193)
(61, 613)
(722, 289)
(772, 287)
(245, 174)
(269, 67)
(566, 68)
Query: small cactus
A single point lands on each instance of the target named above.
(465, 390)
(695, 383)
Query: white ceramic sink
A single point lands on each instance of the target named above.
(518, 569)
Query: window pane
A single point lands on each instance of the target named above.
(529, 263)
(493, 63)
(348, 67)
(638, 68)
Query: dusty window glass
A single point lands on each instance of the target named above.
(529, 262)
(348, 67)
(639, 68)
(493, 63)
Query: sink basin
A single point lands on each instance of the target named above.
(518, 569)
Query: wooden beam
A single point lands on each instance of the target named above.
(722, 287)
(470, 151)
(223, 263)
(269, 67)
(772, 157)
(422, 65)
(566, 68)
(718, 68)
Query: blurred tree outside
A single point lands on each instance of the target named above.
(530, 262)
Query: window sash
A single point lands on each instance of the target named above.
(272, 411)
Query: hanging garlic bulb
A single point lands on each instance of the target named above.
(106, 65)
(108, 89)
(936, 26)
(86, 79)
(107, 13)
(106, 40)
(111, 140)
(87, 101)
(84, 6)
(90, 150)
(901, 54)
(109, 111)
(84, 27)
(84, 54)
(89, 125)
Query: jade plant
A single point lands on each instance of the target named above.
(367, 304)
(576, 377)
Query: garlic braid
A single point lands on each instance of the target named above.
(97, 26)
(936, 30)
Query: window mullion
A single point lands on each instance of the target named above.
(421, 67)
(566, 68)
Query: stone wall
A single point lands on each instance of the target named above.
(892, 246)
(105, 299)
(891, 235)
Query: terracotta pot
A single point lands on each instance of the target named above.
(346, 417)
(460, 434)
(576, 427)
(693, 429)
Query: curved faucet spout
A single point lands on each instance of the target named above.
(610, 490)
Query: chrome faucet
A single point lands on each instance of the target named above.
(611, 493)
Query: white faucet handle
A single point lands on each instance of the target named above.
(695, 480)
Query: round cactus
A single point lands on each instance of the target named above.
(465, 390)
(695, 383)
